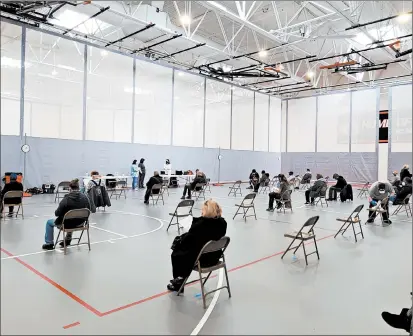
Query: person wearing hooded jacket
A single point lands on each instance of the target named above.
(404, 172)
(72, 201)
(380, 191)
(340, 184)
(315, 190)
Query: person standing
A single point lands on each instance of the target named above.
(142, 172)
(134, 173)
(167, 167)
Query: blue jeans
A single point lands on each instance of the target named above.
(49, 235)
(392, 198)
(134, 182)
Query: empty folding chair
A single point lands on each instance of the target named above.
(246, 204)
(302, 237)
(183, 209)
(208, 185)
(235, 188)
(285, 201)
(378, 209)
(12, 199)
(364, 191)
(322, 197)
(62, 190)
(157, 193)
(81, 215)
(265, 186)
(199, 191)
(405, 205)
(211, 247)
(119, 190)
(354, 218)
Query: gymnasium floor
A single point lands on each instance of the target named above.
(120, 286)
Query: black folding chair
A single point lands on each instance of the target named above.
(211, 246)
(235, 188)
(405, 205)
(62, 190)
(364, 191)
(199, 191)
(246, 204)
(82, 214)
(265, 186)
(208, 185)
(157, 195)
(303, 237)
(10, 200)
(165, 185)
(177, 214)
(322, 197)
(285, 201)
(354, 218)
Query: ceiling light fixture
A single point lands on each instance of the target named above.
(185, 20)
(54, 72)
(263, 53)
(404, 17)
(310, 74)
(104, 53)
(180, 74)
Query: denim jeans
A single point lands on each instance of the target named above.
(134, 182)
(49, 235)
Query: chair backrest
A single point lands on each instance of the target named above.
(121, 184)
(323, 191)
(157, 186)
(407, 199)
(64, 185)
(286, 195)
(77, 214)
(249, 198)
(356, 212)
(185, 204)
(199, 186)
(237, 184)
(310, 223)
(214, 246)
(13, 194)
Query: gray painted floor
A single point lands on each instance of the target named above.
(120, 286)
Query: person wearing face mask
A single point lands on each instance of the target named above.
(395, 179)
(380, 191)
(402, 191)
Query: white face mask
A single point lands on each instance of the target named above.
(403, 183)
(382, 191)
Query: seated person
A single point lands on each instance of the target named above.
(155, 179)
(340, 184)
(315, 190)
(95, 180)
(380, 191)
(254, 177)
(210, 226)
(202, 174)
(73, 200)
(13, 185)
(404, 172)
(277, 192)
(402, 191)
(191, 186)
(307, 177)
(261, 181)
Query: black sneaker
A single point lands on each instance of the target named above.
(370, 220)
(270, 209)
(306, 203)
(67, 243)
(10, 214)
(174, 286)
(396, 321)
(188, 197)
(388, 221)
(146, 202)
(183, 197)
(48, 247)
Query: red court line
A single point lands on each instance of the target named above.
(71, 325)
(55, 284)
(150, 298)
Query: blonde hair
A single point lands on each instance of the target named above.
(211, 209)
(406, 166)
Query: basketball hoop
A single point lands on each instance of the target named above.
(87, 2)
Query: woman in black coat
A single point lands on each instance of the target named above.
(210, 226)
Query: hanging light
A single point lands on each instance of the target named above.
(185, 19)
(263, 53)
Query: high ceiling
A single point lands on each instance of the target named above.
(276, 47)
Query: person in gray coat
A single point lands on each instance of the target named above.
(316, 190)
(380, 191)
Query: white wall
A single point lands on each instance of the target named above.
(401, 122)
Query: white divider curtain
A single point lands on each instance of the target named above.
(401, 120)
(261, 122)
(301, 125)
(275, 133)
(242, 119)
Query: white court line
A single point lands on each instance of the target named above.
(111, 232)
(214, 301)
(102, 241)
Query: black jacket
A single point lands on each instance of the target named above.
(401, 194)
(202, 230)
(198, 179)
(153, 180)
(254, 176)
(72, 201)
(404, 173)
(12, 186)
(341, 183)
(306, 178)
(315, 190)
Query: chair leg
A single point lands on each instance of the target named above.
(354, 232)
(88, 236)
(182, 286)
(57, 239)
(361, 230)
(170, 223)
(80, 237)
(226, 277)
(207, 277)
(64, 242)
(316, 248)
(255, 214)
(305, 255)
(236, 213)
(288, 248)
(340, 229)
(202, 286)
